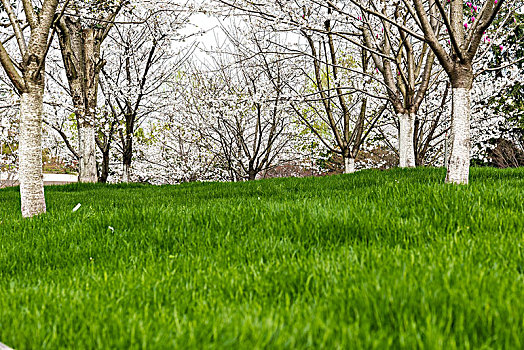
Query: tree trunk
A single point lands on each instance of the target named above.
(252, 175)
(406, 141)
(458, 169)
(126, 174)
(349, 165)
(92, 71)
(105, 167)
(127, 158)
(80, 50)
(87, 147)
(30, 148)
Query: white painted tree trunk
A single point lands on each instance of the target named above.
(87, 147)
(458, 169)
(349, 165)
(30, 151)
(406, 146)
(126, 175)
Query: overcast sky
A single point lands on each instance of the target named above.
(208, 40)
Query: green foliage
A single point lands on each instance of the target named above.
(146, 138)
(9, 149)
(517, 35)
(510, 103)
(392, 259)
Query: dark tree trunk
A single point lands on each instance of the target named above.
(127, 158)
(252, 174)
(104, 172)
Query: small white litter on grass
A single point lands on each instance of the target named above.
(4, 347)
(77, 207)
(111, 228)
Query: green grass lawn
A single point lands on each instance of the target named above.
(392, 259)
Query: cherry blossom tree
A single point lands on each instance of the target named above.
(497, 99)
(403, 67)
(27, 76)
(345, 111)
(238, 105)
(466, 25)
(81, 32)
(406, 68)
(141, 58)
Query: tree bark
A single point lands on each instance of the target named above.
(80, 48)
(458, 168)
(87, 147)
(93, 66)
(30, 147)
(406, 140)
(349, 165)
(252, 175)
(104, 174)
(126, 174)
(127, 158)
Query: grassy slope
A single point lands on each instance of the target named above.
(371, 260)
